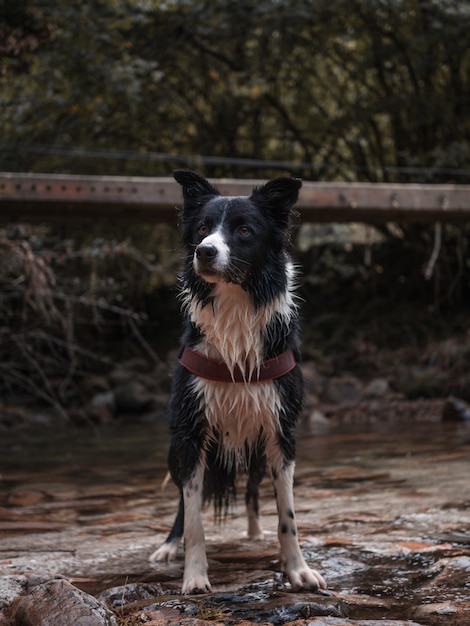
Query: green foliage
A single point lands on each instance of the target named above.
(359, 89)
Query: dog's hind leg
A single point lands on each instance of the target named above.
(294, 565)
(167, 551)
(255, 476)
(195, 578)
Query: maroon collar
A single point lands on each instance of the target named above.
(213, 369)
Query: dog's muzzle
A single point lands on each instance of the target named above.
(208, 262)
(206, 253)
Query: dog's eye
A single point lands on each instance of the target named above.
(203, 230)
(244, 231)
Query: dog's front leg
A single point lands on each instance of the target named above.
(195, 578)
(294, 565)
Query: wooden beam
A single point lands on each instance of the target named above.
(60, 197)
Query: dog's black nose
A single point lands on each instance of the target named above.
(206, 252)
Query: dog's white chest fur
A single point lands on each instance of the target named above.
(239, 413)
(232, 329)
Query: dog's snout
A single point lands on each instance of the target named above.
(206, 252)
(211, 258)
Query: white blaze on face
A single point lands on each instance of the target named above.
(222, 259)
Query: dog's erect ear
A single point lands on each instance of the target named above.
(195, 187)
(279, 196)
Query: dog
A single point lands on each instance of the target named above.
(237, 388)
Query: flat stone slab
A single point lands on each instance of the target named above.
(382, 509)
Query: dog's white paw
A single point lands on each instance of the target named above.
(305, 579)
(166, 552)
(196, 584)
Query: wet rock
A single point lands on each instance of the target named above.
(59, 602)
(164, 616)
(299, 611)
(11, 588)
(40, 577)
(452, 572)
(126, 594)
(341, 567)
(139, 387)
(455, 410)
(133, 397)
(430, 382)
(314, 381)
(135, 365)
(163, 620)
(461, 386)
(151, 376)
(102, 407)
(443, 613)
(333, 621)
(104, 399)
(318, 420)
(276, 608)
(377, 388)
(23, 496)
(342, 390)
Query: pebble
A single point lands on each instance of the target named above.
(456, 410)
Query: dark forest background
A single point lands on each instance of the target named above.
(350, 90)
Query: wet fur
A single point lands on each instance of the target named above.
(238, 298)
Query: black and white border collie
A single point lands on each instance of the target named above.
(237, 389)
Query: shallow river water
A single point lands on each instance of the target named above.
(383, 511)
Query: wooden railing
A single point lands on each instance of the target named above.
(46, 197)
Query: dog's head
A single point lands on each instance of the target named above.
(232, 238)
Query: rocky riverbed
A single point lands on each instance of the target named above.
(383, 507)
